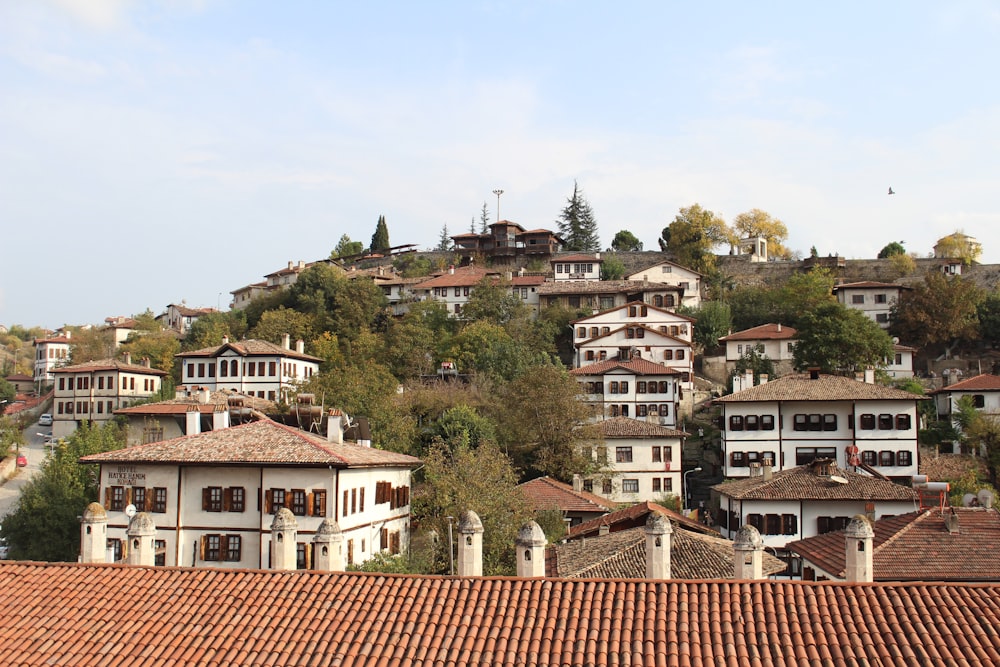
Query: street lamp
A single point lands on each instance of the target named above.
(687, 489)
(498, 192)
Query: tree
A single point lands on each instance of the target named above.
(482, 480)
(339, 305)
(7, 393)
(625, 241)
(275, 324)
(577, 224)
(612, 268)
(959, 246)
(713, 320)
(492, 301)
(208, 330)
(752, 306)
(346, 247)
(463, 426)
(44, 525)
(988, 314)
(486, 349)
(940, 312)
(894, 248)
(159, 347)
(484, 219)
(756, 223)
(444, 241)
(804, 293)
(544, 424)
(380, 239)
(753, 361)
(91, 344)
(693, 235)
(835, 338)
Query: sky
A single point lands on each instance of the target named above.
(176, 150)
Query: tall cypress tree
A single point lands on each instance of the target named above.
(577, 224)
(380, 239)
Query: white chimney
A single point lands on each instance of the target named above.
(530, 550)
(748, 554)
(328, 546)
(860, 540)
(870, 375)
(763, 378)
(127, 358)
(284, 531)
(578, 483)
(291, 265)
(451, 270)
(470, 545)
(335, 427)
(204, 395)
(659, 532)
(286, 341)
(300, 346)
(225, 340)
(603, 529)
(141, 540)
(192, 420)
(779, 327)
(94, 534)
(220, 418)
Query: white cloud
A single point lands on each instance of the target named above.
(105, 15)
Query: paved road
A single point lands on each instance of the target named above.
(35, 452)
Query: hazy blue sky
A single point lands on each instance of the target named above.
(157, 151)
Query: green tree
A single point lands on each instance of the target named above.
(753, 361)
(91, 344)
(752, 306)
(959, 246)
(484, 220)
(275, 324)
(44, 524)
(339, 305)
(692, 237)
(463, 426)
(835, 338)
(157, 346)
(346, 247)
(7, 393)
(939, 313)
(612, 268)
(577, 224)
(492, 301)
(208, 330)
(482, 480)
(625, 241)
(756, 223)
(804, 293)
(444, 241)
(894, 248)
(488, 350)
(713, 320)
(380, 239)
(988, 314)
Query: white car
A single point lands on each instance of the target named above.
(45, 420)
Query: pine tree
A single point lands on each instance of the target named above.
(380, 239)
(577, 224)
(444, 242)
(484, 219)
(472, 225)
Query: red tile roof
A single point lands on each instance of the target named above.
(637, 366)
(545, 493)
(75, 614)
(983, 382)
(605, 287)
(463, 277)
(869, 284)
(763, 332)
(804, 483)
(179, 406)
(626, 427)
(258, 443)
(249, 348)
(650, 308)
(632, 516)
(108, 365)
(824, 388)
(919, 547)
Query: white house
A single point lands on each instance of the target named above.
(804, 501)
(643, 460)
(179, 317)
(796, 418)
(93, 390)
(984, 390)
(454, 287)
(213, 496)
(901, 363)
(608, 294)
(634, 388)
(252, 367)
(774, 341)
(576, 267)
(673, 274)
(190, 413)
(874, 299)
(50, 353)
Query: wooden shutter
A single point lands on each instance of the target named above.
(107, 497)
(288, 496)
(309, 503)
(223, 547)
(204, 543)
(361, 502)
(148, 499)
(267, 502)
(227, 498)
(309, 553)
(128, 496)
(204, 498)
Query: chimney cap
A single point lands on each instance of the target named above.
(859, 527)
(469, 522)
(531, 535)
(657, 524)
(748, 537)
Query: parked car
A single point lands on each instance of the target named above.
(22, 461)
(45, 420)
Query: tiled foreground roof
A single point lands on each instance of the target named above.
(108, 615)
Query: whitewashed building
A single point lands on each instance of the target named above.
(874, 299)
(50, 353)
(774, 341)
(643, 461)
(635, 388)
(213, 496)
(576, 267)
(673, 274)
(983, 389)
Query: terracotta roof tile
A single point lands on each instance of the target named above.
(108, 365)
(804, 483)
(260, 442)
(216, 400)
(626, 427)
(637, 366)
(604, 287)
(73, 614)
(763, 332)
(632, 516)
(249, 348)
(544, 493)
(919, 547)
(868, 284)
(824, 388)
(982, 382)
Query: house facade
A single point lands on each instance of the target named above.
(983, 389)
(643, 461)
(874, 299)
(673, 274)
(774, 341)
(50, 353)
(454, 287)
(636, 388)
(507, 241)
(608, 294)
(796, 418)
(213, 496)
(92, 391)
(576, 267)
(252, 367)
(179, 317)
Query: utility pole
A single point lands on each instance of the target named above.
(498, 192)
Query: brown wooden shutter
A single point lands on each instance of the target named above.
(309, 503)
(201, 551)
(148, 499)
(128, 496)
(107, 497)
(361, 502)
(288, 499)
(309, 553)
(223, 546)
(267, 502)
(204, 498)
(227, 498)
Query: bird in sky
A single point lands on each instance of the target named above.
(891, 191)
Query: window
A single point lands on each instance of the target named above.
(885, 422)
(903, 422)
(800, 422)
(737, 460)
(139, 498)
(767, 422)
(594, 332)
(881, 318)
(829, 422)
(301, 552)
(272, 368)
(160, 499)
(880, 298)
(213, 547)
(828, 524)
(605, 330)
(867, 422)
(623, 386)
(237, 499)
(657, 454)
(668, 355)
(211, 499)
(606, 487)
(669, 301)
(640, 387)
(589, 356)
(319, 502)
(680, 354)
(736, 423)
(224, 369)
(857, 298)
(298, 502)
(806, 455)
(160, 552)
(868, 457)
(656, 485)
(752, 423)
(117, 498)
(277, 498)
(886, 458)
(116, 549)
(234, 548)
(904, 458)
(978, 400)
(623, 454)
(581, 332)
(613, 387)
(630, 486)
(588, 485)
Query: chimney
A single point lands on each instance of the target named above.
(300, 346)
(814, 373)
(860, 543)
(335, 427)
(94, 534)
(508, 276)
(328, 546)
(658, 538)
(763, 378)
(470, 545)
(192, 420)
(530, 550)
(68, 334)
(748, 375)
(748, 554)
(603, 529)
(869, 375)
(284, 531)
(286, 341)
(225, 340)
(141, 540)
(767, 472)
(779, 327)
(578, 483)
(204, 395)
(291, 265)
(302, 264)
(127, 358)
(145, 362)
(951, 521)
(451, 270)
(220, 417)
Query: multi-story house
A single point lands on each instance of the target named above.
(50, 353)
(634, 388)
(190, 413)
(213, 496)
(120, 327)
(805, 501)
(794, 419)
(901, 364)
(93, 390)
(252, 367)
(608, 294)
(673, 274)
(875, 300)
(507, 241)
(179, 317)
(774, 341)
(983, 389)
(642, 460)
(576, 267)
(244, 295)
(454, 287)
